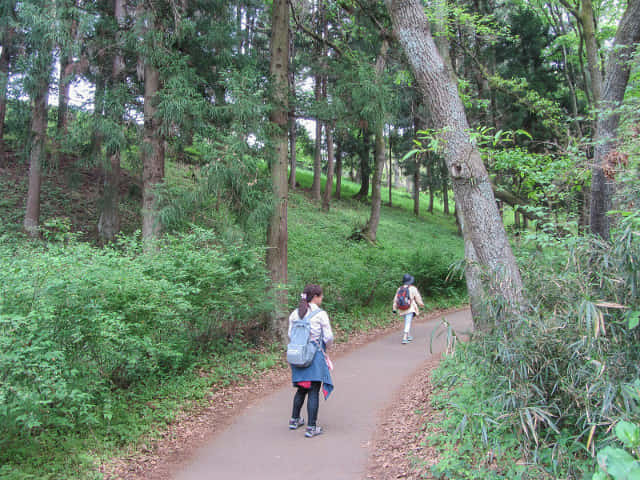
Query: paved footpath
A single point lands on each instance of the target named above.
(258, 444)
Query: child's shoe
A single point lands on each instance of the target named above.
(312, 431)
(295, 423)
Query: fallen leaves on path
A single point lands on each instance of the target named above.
(399, 438)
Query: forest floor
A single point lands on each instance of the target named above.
(378, 440)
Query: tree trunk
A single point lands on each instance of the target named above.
(390, 170)
(316, 186)
(292, 116)
(66, 70)
(36, 157)
(277, 235)
(445, 188)
(338, 170)
(615, 84)
(371, 230)
(416, 189)
(470, 181)
(328, 187)
(152, 154)
(365, 168)
(473, 275)
(4, 82)
(586, 15)
(109, 221)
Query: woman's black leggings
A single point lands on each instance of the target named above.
(312, 402)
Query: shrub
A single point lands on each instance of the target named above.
(77, 323)
(558, 374)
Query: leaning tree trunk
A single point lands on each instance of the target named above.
(152, 154)
(277, 235)
(36, 157)
(469, 178)
(371, 230)
(615, 84)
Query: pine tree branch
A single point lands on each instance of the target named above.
(313, 34)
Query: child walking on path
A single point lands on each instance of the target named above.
(406, 303)
(309, 380)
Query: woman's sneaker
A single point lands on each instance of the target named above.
(313, 431)
(295, 423)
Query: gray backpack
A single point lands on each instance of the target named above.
(301, 350)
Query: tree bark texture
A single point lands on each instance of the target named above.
(292, 115)
(109, 221)
(390, 182)
(66, 70)
(615, 84)
(371, 229)
(277, 235)
(469, 177)
(365, 168)
(586, 16)
(316, 186)
(416, 188)
(152, 154)
(338, 170)
(328, 187)
(36, 157)
(4, 82)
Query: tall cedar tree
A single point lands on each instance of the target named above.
(109, 221)
(371, 229)
(277, 235)
(36, 17)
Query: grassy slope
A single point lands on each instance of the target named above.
(319, 252)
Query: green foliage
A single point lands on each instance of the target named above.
(556, 379)
(470, 442)
(78, 323)
(622, 463)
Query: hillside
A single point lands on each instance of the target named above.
(123, 340)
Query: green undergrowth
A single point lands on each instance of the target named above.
(102, 347)
(552, 392)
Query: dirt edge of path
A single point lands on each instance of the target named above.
(158, 458)
(400, 435)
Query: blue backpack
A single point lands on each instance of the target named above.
(301, 350)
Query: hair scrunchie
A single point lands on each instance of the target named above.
(303, 296)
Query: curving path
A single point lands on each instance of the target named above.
(258, 444)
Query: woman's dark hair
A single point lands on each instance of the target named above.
(308, 293)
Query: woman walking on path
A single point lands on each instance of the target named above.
(406, 302)
(309, 380)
